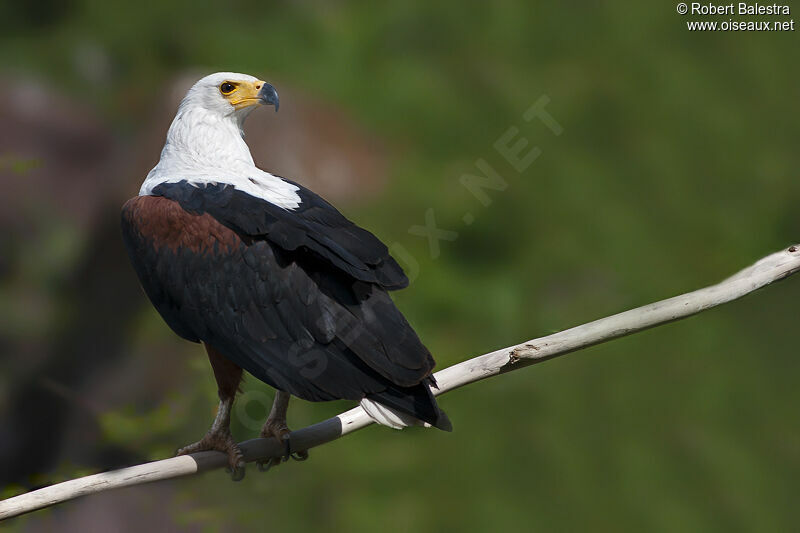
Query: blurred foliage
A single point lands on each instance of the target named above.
(677, 166)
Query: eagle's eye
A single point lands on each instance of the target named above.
(227, 88)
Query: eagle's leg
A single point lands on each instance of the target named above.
(276, 427)
(219, 436)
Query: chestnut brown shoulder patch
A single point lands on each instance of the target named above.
(165, 224)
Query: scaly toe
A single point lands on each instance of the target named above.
(275, 429)
(236, 464)
(198, 446)
(221, 442)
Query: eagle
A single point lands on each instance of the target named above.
(269, 277)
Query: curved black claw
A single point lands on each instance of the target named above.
(266, 465)
(237, 473)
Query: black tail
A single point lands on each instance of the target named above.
(417, 401)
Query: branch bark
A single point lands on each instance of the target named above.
(769, 269)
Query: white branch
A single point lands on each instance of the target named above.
(772, 268)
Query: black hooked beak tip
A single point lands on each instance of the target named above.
(268, 95)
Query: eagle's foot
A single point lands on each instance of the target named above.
(276, 427)
(221, 441)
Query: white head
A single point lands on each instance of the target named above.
(205, 143)
(228, 94)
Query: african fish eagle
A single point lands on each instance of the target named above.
(270, 277)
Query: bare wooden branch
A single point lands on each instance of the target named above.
(772, 268)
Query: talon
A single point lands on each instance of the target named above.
(220, 440)
(219, 437)
(266, 465)
(237, 473)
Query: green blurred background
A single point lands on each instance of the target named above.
(677, 166)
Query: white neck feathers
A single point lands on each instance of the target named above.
(207, 147)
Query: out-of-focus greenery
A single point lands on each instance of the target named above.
(677, 165)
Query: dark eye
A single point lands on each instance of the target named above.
(227, 88)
